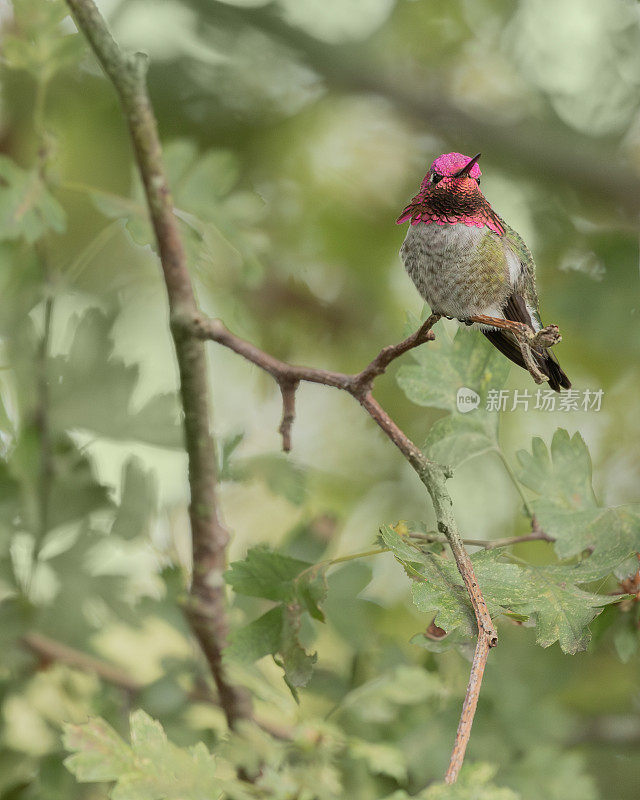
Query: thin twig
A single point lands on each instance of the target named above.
(468, 709)
(206, 606)
(288, 390)
(488, 544)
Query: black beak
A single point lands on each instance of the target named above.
(467, 167)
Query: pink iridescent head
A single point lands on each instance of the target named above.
(452, 165)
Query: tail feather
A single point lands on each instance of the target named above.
(546, 361)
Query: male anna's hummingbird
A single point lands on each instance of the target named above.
(466, 261)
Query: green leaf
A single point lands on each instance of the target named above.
(264, 573)
(226, 448)
(381, 759)
(474, 781)
(546, 771)
(559, 608)
(91, 389)
(298, 663)
(452, 440)
(438, 586)
(138, 501)
(567, 508)
(547, 596)
(625, 640)
(74, 490)
(445, 366)
(281, 475)
(99, 754)
(311, 590)
(151, 768)
(209, 178)
(445, 372)
(275, 633)
(81, 586)
(27, 208)
(215, 223)
(562, 474)
(40, 46)
(259, 638)
(380, 700)
(299, 587)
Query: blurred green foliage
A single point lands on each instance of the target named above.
(291, 148)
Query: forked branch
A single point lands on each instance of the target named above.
(432, 475)
(206, 609)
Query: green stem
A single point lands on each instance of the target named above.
(342, 559)
(354, 556)
(515, 481)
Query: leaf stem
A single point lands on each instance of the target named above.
(488, 544)
(329, 562)
(515, 481)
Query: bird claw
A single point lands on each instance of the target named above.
(545, 337)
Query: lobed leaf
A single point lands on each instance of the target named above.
(151, 768)
(545, 595)
(298, 587)
(567, 508)
(444, 368)
(92, 389)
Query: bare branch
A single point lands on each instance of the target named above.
(206, 606)
(390, 353)
(432, 475)
(468, 709)
(288, 390)
(488, 544)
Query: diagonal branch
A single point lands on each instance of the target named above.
(432, 475)
(206, 606)
(49, 651)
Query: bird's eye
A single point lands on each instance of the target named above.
(478, 181)
(435, 178)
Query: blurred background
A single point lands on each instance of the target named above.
(295, 132)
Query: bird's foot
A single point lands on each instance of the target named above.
(545, 338)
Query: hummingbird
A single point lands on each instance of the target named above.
(465, 260)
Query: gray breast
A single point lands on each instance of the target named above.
(441, 261)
